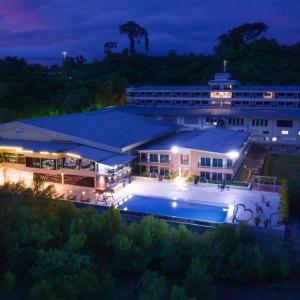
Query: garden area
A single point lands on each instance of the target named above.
(286, 167)
(52, 250)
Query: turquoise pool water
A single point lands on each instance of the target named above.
(173, 208)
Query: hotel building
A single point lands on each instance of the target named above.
(88, 152)
(184, 130)
(215, 154)
(270, 113)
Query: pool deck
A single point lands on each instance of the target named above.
(179, 190)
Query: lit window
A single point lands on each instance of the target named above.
(221, 95)
(274, 139)
(268, 95)
(284, 132)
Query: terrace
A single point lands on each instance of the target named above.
(178, 190)
(240, 204)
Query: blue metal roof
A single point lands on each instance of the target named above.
(106, 127)
(218, 140)
(196, 88)
(178, 139)
(169, 88)
(37, 146)
(218, 112)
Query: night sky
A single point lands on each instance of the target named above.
(39, 30)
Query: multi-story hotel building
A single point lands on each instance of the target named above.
(270, 113)
(215, 154)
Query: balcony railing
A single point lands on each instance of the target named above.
(147, 161)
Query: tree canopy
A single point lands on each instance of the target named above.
(28, 91)
(49, 249)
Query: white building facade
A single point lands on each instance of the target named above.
(270, 113)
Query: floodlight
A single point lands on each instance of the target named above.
(174, 149)
(233, 154)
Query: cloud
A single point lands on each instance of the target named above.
(40, 29)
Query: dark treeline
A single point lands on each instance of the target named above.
(51, 250)
(28, 91)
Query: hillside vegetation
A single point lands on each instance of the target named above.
(28, 91)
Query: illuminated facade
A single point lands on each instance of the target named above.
(214, 154)
(96, 170)
(81, 154)
(270, 113)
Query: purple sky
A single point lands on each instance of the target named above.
(40, 30)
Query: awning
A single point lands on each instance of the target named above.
(89, 153)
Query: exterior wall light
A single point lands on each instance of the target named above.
(233, 154)
(174, 150)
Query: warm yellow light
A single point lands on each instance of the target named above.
(73, 155)
(15, 176)
(54, 154)
(44, 152)
(25, 151)
(10, 147)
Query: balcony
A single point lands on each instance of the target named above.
(147, 161)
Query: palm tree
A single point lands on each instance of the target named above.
(134, 32)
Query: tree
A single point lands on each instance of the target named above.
(77, 99)
(232, 43)
(153, 286)
(198, 281)
(178, 293)
(9, 282)
(134, 32)
(44, 290)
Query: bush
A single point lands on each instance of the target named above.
(267, 165)
(284, 211)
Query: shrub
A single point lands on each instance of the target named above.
(284, 211)
(267, 165)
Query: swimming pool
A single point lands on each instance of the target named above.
(173, 208)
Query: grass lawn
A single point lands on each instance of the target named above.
(285, 166)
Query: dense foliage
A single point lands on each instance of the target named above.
(284, 200)
(51, 250)
(287, 169)
(28, 91)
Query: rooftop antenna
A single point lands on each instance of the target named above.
(225, 62)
